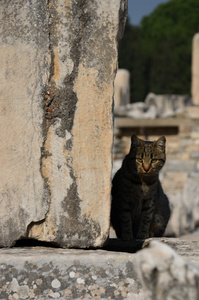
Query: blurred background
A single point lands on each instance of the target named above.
(157, 93)
(157, 45)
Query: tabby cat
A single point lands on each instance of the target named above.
(140, 209)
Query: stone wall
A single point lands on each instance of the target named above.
(58, 63)
(180, 177)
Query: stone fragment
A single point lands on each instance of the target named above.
(168, 105)
(166, 275)
(155, 106)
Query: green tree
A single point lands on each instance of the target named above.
(129, 58)
(158, 53)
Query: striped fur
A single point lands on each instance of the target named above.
(140, 209)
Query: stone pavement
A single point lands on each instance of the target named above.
(50, 273)
(55, 273)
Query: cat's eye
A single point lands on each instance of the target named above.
(139, 160)
(153, 160)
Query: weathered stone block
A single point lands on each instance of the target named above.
(67, 274)
(25, 64)
(58, 63)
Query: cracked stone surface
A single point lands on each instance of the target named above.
(58, 63)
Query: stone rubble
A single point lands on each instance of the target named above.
(165, 275)
(154, 106)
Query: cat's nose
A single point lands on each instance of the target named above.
(146, 167)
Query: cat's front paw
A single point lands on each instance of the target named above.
(142, 235)
(127, 236)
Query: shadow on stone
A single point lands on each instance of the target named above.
(34, 243)
(113, 244)
(118, 245)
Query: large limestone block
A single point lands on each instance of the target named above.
(25, 64)
(58, 62)
(195, 69)
(46, 274)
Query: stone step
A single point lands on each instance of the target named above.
(56, 273)
(50, 273)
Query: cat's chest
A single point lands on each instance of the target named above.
(146, 190)
(141, 192)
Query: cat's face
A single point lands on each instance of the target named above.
(148, 157)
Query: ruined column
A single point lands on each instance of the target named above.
(195, 69)
(58, 63)
(122, 88)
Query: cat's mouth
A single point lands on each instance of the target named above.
(147, 173)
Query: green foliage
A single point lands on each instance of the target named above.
(158, 53)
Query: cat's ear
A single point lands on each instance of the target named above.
(135, 141)
(161, 142)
